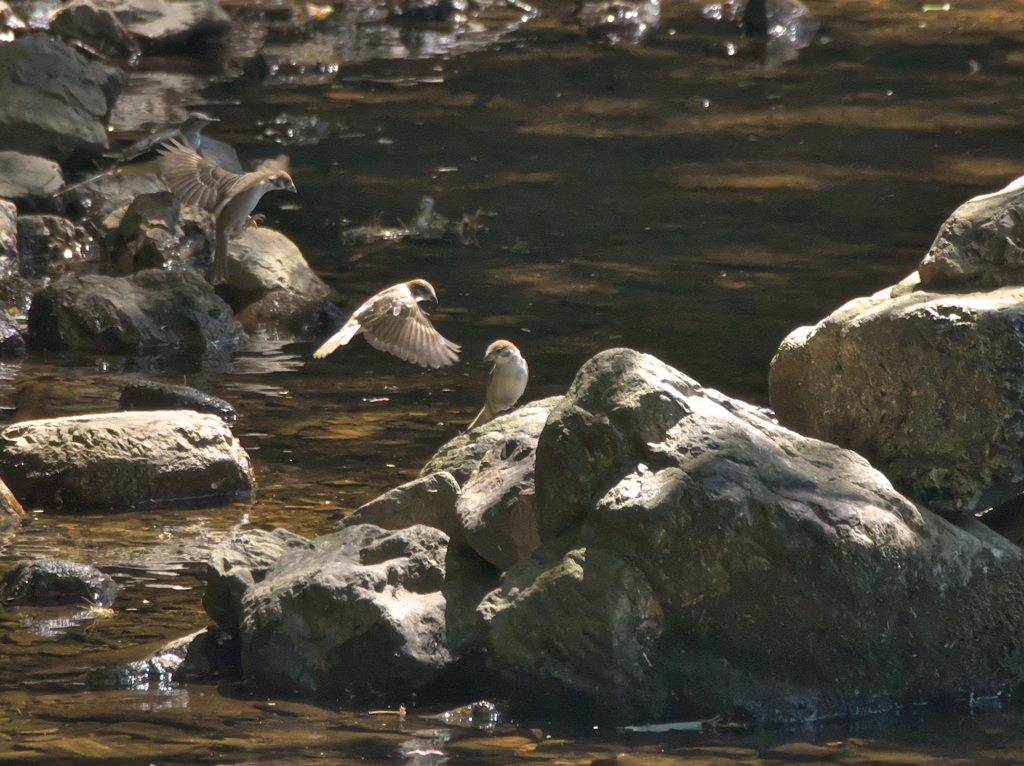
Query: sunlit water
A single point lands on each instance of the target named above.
(667, 197)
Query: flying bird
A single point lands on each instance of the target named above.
(507, 381)
(393, 321)
(196, 180)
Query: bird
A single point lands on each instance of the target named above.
(506, 383)
(195, 180)
(143, 150)
(393, 321)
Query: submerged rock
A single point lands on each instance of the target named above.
(53, 100)
(928, 386)
(146, 312)
(152, 395)
(52, 582)
(125, 460)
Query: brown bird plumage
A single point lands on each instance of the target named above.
(393, 321)
(231, 196)
(507, 380)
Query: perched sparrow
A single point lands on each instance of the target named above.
(393, 321)
(507, 381)
(231, 196)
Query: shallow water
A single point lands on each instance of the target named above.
(668, 197)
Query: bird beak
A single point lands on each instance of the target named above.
(291, 185)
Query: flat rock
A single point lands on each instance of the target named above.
(125, 460)
(154, 395)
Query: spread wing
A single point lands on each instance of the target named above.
(400, 327)
(194, 179)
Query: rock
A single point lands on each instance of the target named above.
(11, 512)
(428, 500)
(927, 386)
(497, 509)
(125, 460)
(98, 30)
(8, 229)
(263, 260)
(28, 179)
(203, 656)
(283, 312)
(463, 454)
(979, 245)
(9, 22)
(698, 558)
(359, 619)
(163, 26)
(12, 343)
(53, 100)
(148, 236)
(151, 395)
(45, 244)
(301, 64)
(144, 313)
(104, 199)
(53, 582)
(615, 21)
(239, 562)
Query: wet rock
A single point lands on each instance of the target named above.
(497, 508)
(697, 558)
(10, 23)
(283, 312)
(461, 455)
(8, 229)
(431, 11)
(482, 715)
(204, 656)
(104, 199)
(296, 130)
(11, 512)
(359, 618)
(791, 27)
(53, 100)
(148, 236)
(263, 260)
(46, 243)
(52, 582)
(97, 30)
(151, 395)
(981, 245)
(12, 342)
(302, 64)
(428, 500)
(615, 21)
(927, 386)
(146, 312)
(27, 179)
(125, 460)
(239, 562)
(163, 26)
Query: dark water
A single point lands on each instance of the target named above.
(668, 197)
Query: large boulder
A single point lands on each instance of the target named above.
(123, 461)
(53, 100)
(928, 386)
(147, 312)
(360, 618)
(698, 557)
